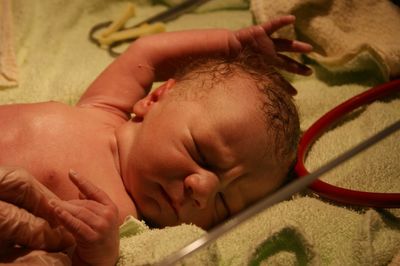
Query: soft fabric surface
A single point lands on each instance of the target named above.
(8, 62)
(347, 35)
(57, 62)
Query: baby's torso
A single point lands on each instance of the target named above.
(49, 139)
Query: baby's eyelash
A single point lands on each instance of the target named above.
(203, 160)
(226, 206)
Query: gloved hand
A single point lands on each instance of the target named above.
(21, 257)
(26, 218)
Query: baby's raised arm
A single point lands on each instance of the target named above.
(153, 58)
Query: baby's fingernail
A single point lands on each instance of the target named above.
(305, 47)
(308, 71)
(308, 46)
(73, 173)
(52, 203)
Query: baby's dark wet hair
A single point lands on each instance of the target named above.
(278, 109)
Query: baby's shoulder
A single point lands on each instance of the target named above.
(32, 109)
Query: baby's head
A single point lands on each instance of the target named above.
(218, 139)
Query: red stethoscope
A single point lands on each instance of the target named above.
(338, 194)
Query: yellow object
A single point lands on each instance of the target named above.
(145, 29)
(117, 24)
(113, 32)
(8, 60)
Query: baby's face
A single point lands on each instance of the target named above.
(201, 161)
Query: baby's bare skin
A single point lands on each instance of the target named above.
(96, 137)
(170, 165)
(48, 139)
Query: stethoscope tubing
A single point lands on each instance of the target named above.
(334, 193)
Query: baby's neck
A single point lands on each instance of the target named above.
(125, 136)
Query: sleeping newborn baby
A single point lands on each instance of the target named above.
(217, 135)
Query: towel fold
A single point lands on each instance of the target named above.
(347, 35)
(141, 246)
(302, 231)
(8, 62)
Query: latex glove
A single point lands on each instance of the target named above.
(35, 258)
(25, 212)
(93, 221)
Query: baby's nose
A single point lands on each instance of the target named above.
(201, 188)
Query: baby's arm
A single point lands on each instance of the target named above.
(155, 57)
(93, 221)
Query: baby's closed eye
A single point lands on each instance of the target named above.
(221, 206)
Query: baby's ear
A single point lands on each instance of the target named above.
(141, 108)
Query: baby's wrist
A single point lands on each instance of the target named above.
(79, 261)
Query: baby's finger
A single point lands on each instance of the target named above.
(256, 38)
(292, 66)
(75, 225)
(277, 23)
(285, 45)
(247, 36)
(89, 190)
(95, 207)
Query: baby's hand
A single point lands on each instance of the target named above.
(258, 38)
(93, 221)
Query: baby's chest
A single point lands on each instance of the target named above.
(49, 151)
(51, 163)
(103, 174)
